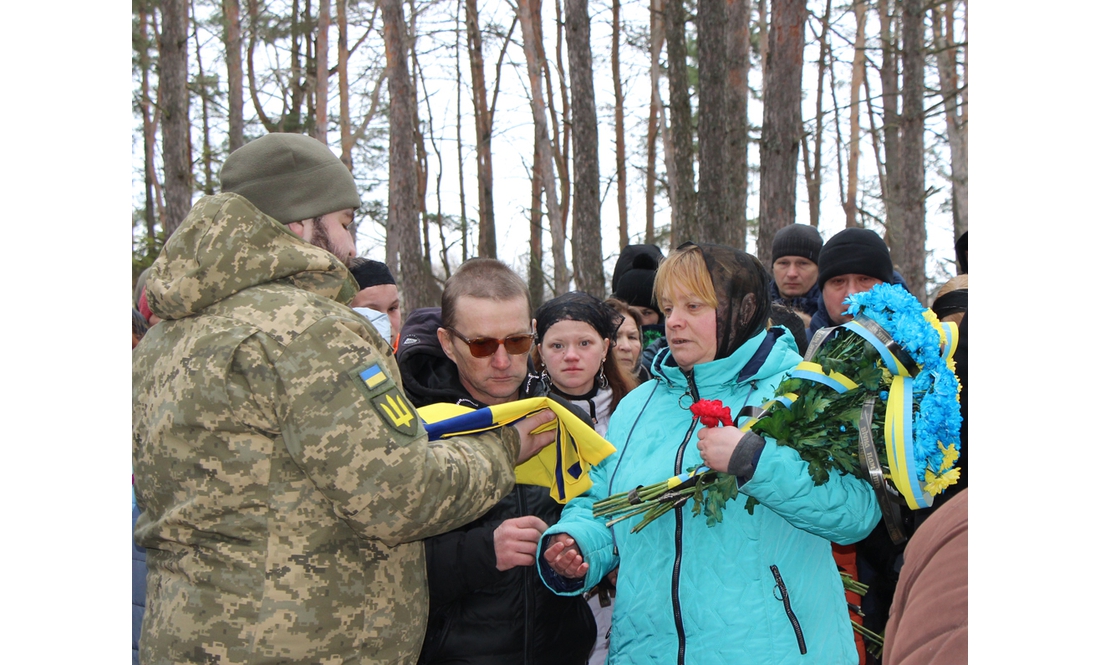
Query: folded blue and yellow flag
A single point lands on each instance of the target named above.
(562, 466)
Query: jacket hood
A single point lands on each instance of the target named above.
(226, 245)
(766, 354)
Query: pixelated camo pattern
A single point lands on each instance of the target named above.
(282, 512)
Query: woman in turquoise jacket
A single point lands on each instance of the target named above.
(756, 588)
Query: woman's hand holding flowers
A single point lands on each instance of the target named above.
(716, 445)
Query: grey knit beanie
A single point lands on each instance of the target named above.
(797, 240)
(290, 177)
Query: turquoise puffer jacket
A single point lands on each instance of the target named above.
(690, 594)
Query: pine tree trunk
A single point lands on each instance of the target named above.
(907, 251)
(656, 114)
(587, 243)
(418, 136)
(403, 194)
(683, 208)
(714, 205)
(740, 14)
(536, 279)
(231, 10)
(890, 120)
(204, 104)
(487, 238)
(528, 10)
(620, 132)
(955, 110)
(782, 130)
(463, 223)
(320, 128)
(561, 138)
(174, 102)
(253, 89)
(858, 73)
(812, 169)
(148, 126)
(342, 81)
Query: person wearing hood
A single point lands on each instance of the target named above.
(755, 588)
(487, 605)
(632, 283)
(284, 481)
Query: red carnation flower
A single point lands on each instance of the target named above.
(711, 412)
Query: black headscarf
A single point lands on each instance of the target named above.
(741, 286)
(578, 306)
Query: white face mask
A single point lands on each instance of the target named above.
(379, 320)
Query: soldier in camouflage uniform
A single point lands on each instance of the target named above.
(284, 479)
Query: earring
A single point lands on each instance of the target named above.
(547, 383)
(601, 377)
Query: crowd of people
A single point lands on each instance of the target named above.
(289, 506)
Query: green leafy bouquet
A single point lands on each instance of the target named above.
(876, 397)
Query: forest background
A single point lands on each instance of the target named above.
(551, 134)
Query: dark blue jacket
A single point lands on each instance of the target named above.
(809, 303)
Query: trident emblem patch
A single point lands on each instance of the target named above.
(395, 410)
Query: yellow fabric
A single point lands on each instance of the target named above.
(807, 366)
(576, 443)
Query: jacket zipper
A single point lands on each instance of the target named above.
(677, 615)
(787, 606)
(528, 575)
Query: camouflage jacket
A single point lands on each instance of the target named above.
(284, 479)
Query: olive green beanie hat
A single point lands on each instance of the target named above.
(290, 177)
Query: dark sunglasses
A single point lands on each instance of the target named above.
(483, 347)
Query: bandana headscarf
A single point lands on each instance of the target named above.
(741, 287)
(578, 306)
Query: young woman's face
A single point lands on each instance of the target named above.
(628, 345)
(690, 328)
(573, 352)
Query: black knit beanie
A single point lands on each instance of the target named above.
(797, 240)
(371, 273)
(855, 251)
(636, 284)
(291, 177)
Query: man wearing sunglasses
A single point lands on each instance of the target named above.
(487, 604)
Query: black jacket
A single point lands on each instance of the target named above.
(478, 614)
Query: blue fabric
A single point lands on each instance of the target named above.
(727, 593)
(137, 582)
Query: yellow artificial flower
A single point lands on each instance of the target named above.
(934, 484)
(931, 317)
(950, 454)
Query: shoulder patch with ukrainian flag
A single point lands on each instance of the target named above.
(387, 399)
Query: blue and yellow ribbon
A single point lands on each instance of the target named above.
(563, 466)
(810, 371)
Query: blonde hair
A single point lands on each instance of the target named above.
(685, 269)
